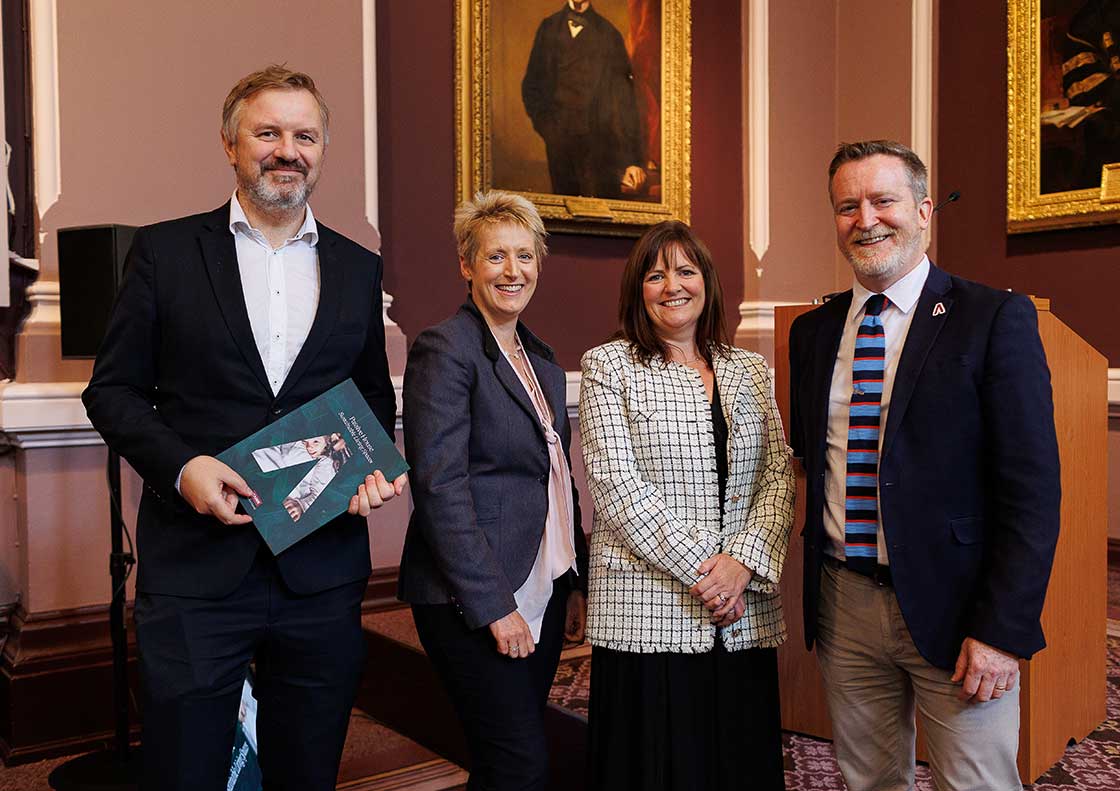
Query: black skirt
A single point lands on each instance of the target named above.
(677, 722)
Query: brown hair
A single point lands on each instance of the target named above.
(490, 208)
(633, 319)
(915, 168)
(274, 77)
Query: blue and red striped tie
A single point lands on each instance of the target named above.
(861, 522)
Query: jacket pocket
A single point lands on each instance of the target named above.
(968, 529)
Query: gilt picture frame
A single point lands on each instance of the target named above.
(1063, 108)
(583, 108)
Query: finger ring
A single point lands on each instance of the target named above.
(723, 597)
(513, 650)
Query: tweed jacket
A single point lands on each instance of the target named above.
(649, 452)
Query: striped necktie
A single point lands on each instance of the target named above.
(861, 521)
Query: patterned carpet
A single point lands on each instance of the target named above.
(811, 765)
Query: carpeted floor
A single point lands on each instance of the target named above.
(811, 764)
(371, 750)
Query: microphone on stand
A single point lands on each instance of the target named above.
(953, 196)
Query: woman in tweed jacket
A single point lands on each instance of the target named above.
(693, 490)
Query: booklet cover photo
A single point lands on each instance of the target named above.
(304, 468)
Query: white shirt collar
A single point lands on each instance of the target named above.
(903, 294)
(238, 221)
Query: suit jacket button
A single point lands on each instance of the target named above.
(736, 632)
(735, 498)
(277, 411)
(543, 480)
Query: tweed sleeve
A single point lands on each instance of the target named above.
(762, 542)
(626, 503)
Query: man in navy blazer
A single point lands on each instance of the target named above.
(925, 586)
(225, 322)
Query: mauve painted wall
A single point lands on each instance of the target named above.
(575, 305)
(1079, 270)
(141, 88)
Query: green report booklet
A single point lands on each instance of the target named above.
(304, 468)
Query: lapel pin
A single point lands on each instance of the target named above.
(938, 309)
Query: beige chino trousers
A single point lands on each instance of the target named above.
(874, 678)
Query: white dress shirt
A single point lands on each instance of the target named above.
(281, 289)
(896, 316)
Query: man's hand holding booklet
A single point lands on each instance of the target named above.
(305, 468)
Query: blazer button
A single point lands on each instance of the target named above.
(277, 411)
(543, 480)
(735, 498)
(736, 632)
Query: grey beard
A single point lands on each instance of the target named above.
(279, 197)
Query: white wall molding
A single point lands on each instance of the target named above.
(369, 124)
(757, 316)
(758, 128)
(43, 296)
(44, 414)
(921, 80)
(51, 414)
(369, 101)
(1114, 392)
(44, 103)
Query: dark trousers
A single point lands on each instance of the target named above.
(194, 653)
(500, 701)
(577, 166)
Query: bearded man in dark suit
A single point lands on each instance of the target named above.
(922, 410)
(225, 322)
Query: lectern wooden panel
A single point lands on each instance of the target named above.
(1063, 687)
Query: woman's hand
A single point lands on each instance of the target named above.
(722, 582)
(513, 637)
(575, 620)
(735, 613)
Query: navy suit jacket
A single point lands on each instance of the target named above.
(969, 485)
(178, 375)
(480, 468)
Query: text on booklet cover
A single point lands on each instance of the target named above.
(304, 468)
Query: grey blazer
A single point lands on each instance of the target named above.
(480, 468)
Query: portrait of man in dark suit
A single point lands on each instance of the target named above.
(226, 321)
(921, 409)
(579, 93)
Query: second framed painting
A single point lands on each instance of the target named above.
(580, 105)
(1063, 164)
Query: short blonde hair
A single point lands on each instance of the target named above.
(492, 207)
(274, 77)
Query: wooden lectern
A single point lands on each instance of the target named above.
(1063, 686)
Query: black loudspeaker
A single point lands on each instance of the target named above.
(90, 270)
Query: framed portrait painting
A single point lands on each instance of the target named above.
(1063, 164)
(582, 106)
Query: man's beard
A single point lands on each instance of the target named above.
(877, 265)
(291, 194)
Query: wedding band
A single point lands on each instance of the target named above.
(1001, 688)
(723, 597)
(513, 650)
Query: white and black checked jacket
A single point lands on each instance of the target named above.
(649, 451)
